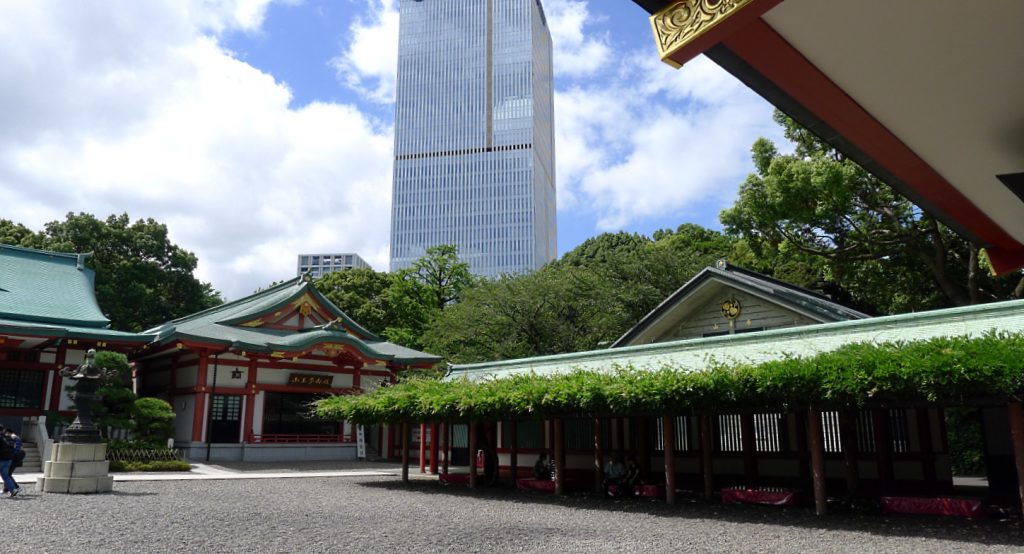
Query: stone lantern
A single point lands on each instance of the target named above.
(78, 463)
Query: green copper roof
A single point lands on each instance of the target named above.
(14, 327)
(696, 354)
(222, 325)
(47, 287)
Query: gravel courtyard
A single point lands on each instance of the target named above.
(380, 514)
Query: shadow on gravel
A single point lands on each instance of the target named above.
(122, 493)
(983, 531)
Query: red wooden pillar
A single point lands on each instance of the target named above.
(433, 448)
(250, 401)
(405, 451)
(817, 446)
(58, 381)
(669, 438)
(199, 408)
(924, 431)
(598, 457)
(707, 446)
(447, 445)
(1015, 411)
(749, 450)
(559, 456)
(513, 461)
(423, 447)
(472, 455)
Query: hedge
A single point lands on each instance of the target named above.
(948, 370)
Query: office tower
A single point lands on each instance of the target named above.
(474, 134)
(319, 265)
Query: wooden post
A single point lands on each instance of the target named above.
(669, 438)
(423, 447)
(749, 450)
(707, 452)
(446, 438)
(644, 445)
(513, 456)
(924, 431)
(433, 448)
(598, 457)
(848, 442)
(405, 451)
(817, 446)
(622, 435)
(559, 456)
(1016, 412)
(472, 455)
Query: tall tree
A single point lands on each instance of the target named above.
(441, 273)
(362, 294)
(818, 215)
(142, 279)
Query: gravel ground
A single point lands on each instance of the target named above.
(383, 515)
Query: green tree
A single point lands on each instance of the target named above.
(816, 218)
(557, 309)
(154, 422)
(142, 279)
(18, 235)
(117, 401)
(583, 301)
(441, 274)
(362, 294)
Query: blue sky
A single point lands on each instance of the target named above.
(259, 129)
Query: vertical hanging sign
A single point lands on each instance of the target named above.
(360, 442)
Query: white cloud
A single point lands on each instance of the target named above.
(369, 64)
(135, 107)
(577, 52)
(650, 140)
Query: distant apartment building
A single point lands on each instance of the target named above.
(474, 135)
(319, 265)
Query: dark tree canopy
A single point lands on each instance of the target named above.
(817, 219)
(142, 279)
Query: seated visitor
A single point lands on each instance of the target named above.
(541, 469)
(614, 472)
(632, 477)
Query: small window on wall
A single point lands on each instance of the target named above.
(730, 433)
(579, 434)
(530, 434)
(681, 429)
(20, 388)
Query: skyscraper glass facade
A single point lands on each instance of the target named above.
(474, 134)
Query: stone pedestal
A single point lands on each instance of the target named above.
(77, 469)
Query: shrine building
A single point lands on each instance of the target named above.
(49, 318)
(241, 375)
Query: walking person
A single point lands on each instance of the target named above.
(19, 455)
(6, 458)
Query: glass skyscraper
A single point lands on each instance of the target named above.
(474, 134)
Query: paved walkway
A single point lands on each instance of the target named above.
(258, 471)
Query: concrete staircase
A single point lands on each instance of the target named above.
(32, 463)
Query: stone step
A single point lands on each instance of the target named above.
(33, 462)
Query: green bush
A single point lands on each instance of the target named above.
(949, 370)
(154, 422)
(172, 465)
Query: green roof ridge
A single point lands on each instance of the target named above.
(744, 338)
